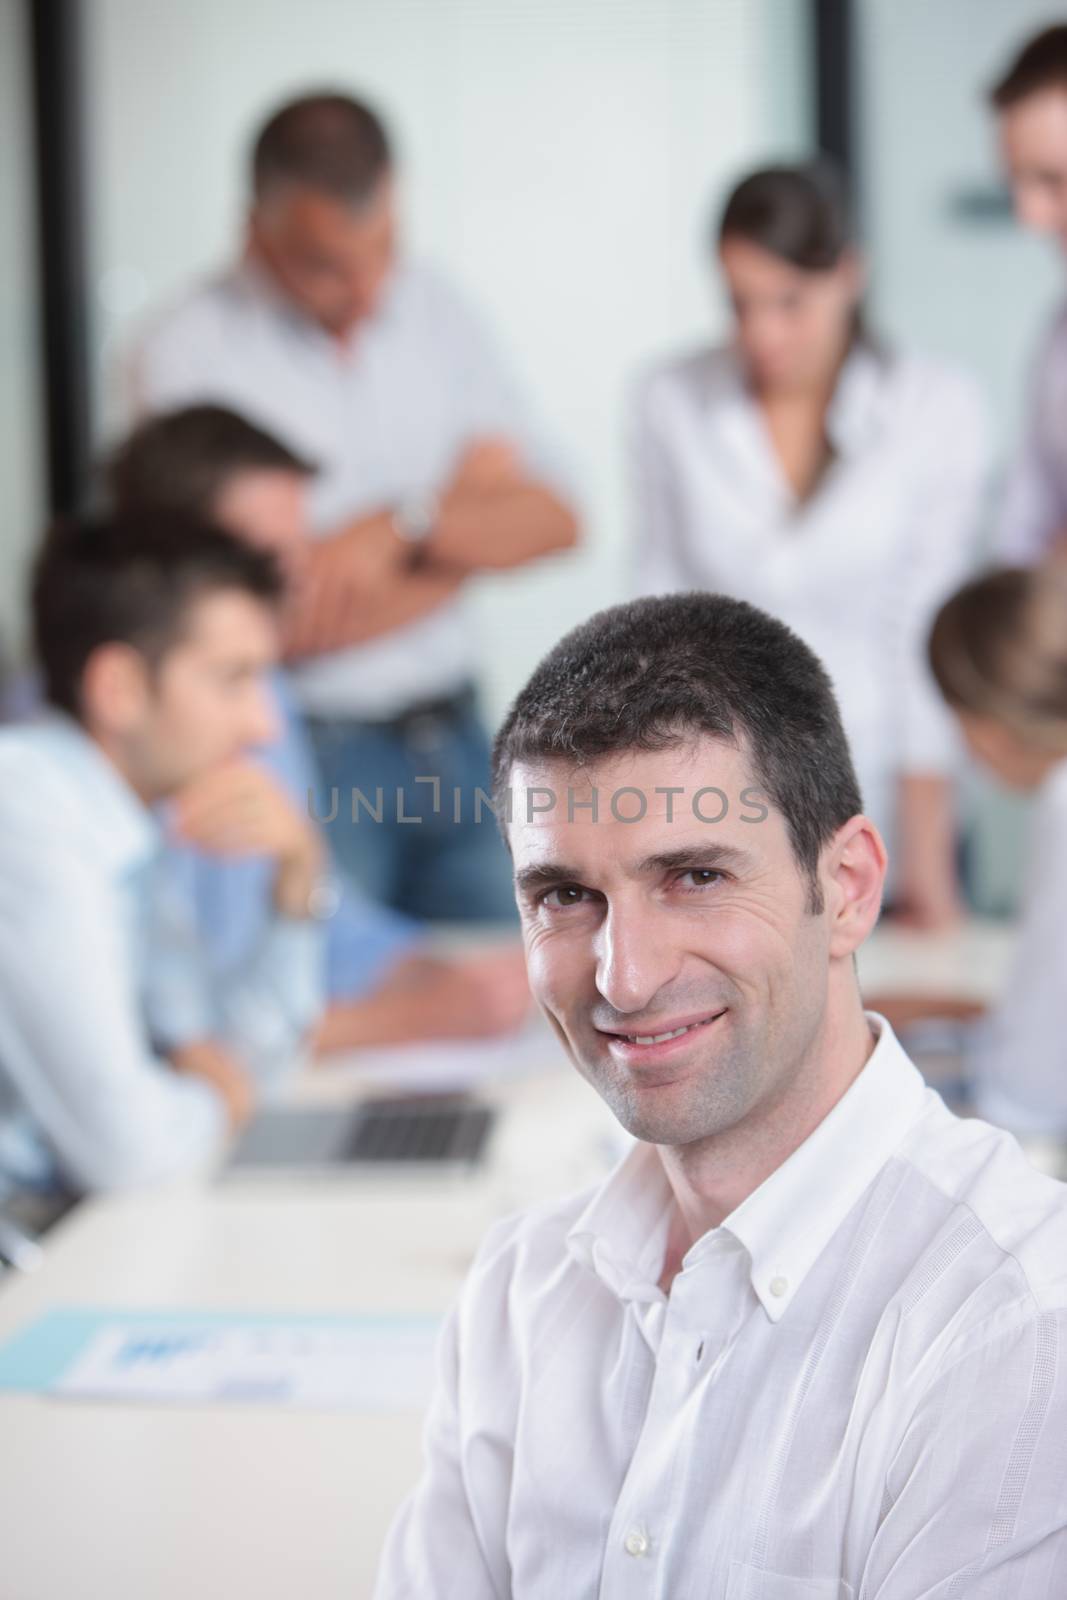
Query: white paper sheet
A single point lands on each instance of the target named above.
(384, 1365)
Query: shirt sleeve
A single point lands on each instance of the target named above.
(73, 1041)
(1033, 509)
(262, 1008)
(659, 564)
(364, 942)
(944, 512)
(974, 1498)
(1019, 1060)
(448, 1539)
(433, 1551)
(171, 365)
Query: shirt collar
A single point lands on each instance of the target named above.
(124, 833)
(855, 411)
(252, 278)
(787, 1222)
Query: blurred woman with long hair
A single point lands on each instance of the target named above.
(831, 480)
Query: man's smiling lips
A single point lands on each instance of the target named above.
(659, 1039)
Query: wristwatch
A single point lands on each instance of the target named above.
(415, 518)
(324, 898)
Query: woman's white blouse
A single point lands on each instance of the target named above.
(859, 568)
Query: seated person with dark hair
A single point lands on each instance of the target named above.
(123, 1060)
(383, 987)
(807, 1341)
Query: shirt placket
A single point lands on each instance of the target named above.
(696, 1328)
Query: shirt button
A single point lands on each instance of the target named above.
(637, 1543)
(778, 1287)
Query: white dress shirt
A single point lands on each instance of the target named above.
(856, 1388)
(858, 569)
(100, 966)
(383, 418)
(1020, 1059)
(1033, 510)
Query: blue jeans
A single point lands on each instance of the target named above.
(429, 848)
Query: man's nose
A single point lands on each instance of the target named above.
(636, 958)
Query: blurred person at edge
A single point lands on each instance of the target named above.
(382, 986)
(123, 1059)
(998, 649)
(833, 481)
(430, 469)
(1030, 103)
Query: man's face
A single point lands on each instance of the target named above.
(636, 930)
(1033, 141)
(267, 507)
(332, 261)
(202, 705)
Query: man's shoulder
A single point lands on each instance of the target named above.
(1049, 357)
(533, 1242)
(1000, 1200)
(202, 311)
(425, 303)
(45, 829)
(29, 757)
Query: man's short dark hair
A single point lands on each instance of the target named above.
(1041, 64)
(327, 142)
(654, 674)
(131, 580)
(183, 460)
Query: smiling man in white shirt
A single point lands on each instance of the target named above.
(808, 1339)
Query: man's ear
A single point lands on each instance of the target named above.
(115, 690)
(853, 875)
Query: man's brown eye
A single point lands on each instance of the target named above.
(568, 894)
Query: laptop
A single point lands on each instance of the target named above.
(412, 1133)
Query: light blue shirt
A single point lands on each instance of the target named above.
(101, 972)
(232, 899)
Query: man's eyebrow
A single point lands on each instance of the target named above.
(552, 874)
(546, 875)
(691, 856)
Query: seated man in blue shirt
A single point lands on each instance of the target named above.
(383, 986)
(123, 1058)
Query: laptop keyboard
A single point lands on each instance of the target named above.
(420, 1130)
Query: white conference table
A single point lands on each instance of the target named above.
(114, 1502)
(130, 1502)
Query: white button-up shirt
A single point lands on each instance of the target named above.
(856, 1386)
(1020, 1063)
(1034, 508)
(857, 569)
(383, 418)
(100, 963)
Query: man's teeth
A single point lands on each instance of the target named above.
(660, 1038)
